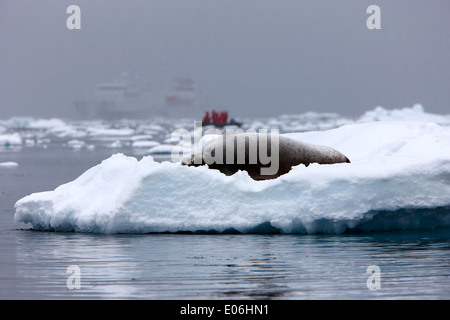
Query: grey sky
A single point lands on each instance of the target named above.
(254, 57)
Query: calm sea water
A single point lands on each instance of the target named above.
(34, 265)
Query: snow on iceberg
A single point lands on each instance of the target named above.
(399, 178)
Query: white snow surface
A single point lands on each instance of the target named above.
(399, 171)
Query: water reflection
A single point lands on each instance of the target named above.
(413, 265)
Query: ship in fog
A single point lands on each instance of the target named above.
(183, 100)
(133, 98)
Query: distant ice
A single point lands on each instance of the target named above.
(53, 124)
(146, 134)
(115, 144)
(416, 113)
(8, 164)
(11, 139)
(141, 137)
(76, 144)
(110, 132)
(164, 149)
(145, 144)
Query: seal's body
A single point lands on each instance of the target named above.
(263, 156)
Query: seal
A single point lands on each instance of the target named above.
(263, 155)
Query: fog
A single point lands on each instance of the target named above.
(253, 57)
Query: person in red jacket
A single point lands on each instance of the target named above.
(206, 118)
(215, 117)
(223, 117)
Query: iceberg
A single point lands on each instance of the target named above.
(10, 139)
(416, 114)
(398, 178)
(47, 124)
(8, 164)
